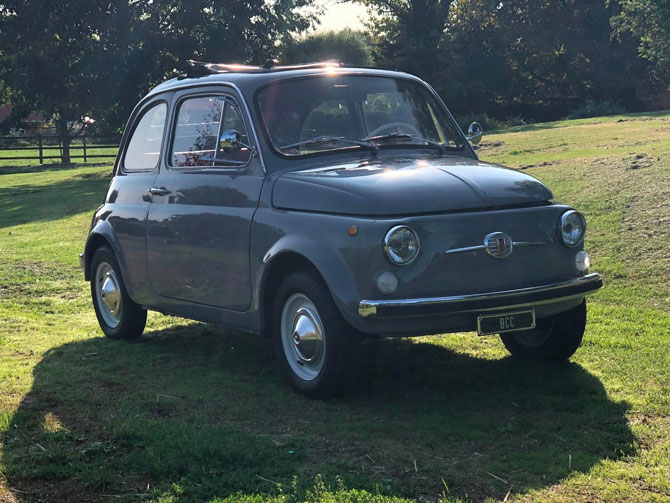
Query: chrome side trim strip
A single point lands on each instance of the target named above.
(465, 249)
(368, 308)
(530, 243)
(483, 247)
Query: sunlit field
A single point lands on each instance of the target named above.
(195, 412)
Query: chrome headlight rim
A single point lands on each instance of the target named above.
(561, 225)
(389, 253)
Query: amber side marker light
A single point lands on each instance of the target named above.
(353, 230)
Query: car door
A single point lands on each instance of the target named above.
(127, 197)
(204, 199)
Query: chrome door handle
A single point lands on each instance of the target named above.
(156, 191)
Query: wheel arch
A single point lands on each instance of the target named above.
(275, 271)
(94, 242)
(102, 234)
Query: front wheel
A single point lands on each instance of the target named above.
(315, 346)
(555, 338)
(118, 315)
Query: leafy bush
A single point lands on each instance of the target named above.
(515, 120)
(596, 109)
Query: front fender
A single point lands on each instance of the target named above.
(322, 240)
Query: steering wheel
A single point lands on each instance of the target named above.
(412, 130)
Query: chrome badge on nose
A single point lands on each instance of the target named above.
(498, 244)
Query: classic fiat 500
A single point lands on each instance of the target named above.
(319, 204)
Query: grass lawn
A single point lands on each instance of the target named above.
(195, 412)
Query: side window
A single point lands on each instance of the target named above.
(200, 123)
(145, 144)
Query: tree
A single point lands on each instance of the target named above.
(49, 60)
(82, 58)
(163, 34)
(540, 58)
(537, 58)
(348, 46)
(649, 22)
(408, 34)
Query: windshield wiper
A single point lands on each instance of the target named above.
(328, 139)
(440, 146)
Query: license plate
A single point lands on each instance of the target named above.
(506, 322)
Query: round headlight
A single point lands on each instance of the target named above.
(572, 228)
(401, 245)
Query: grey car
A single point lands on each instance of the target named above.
(319, 204)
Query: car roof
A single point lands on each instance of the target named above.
(248, 78)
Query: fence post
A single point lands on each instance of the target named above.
(39, 140)
(83, 139)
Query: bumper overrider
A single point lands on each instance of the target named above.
(481, 302)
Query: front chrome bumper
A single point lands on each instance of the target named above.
(481, 302)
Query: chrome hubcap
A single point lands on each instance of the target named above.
(307, 336)
(303, 337)
(108, 294)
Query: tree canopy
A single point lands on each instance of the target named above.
(649, 22)
(349, 47)
(83, 58)
(530, 57)
(535, 58)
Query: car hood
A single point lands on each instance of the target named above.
(400, 186)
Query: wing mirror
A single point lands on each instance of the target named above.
(475, 133)
(230, 141)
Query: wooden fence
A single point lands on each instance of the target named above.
(44, 147)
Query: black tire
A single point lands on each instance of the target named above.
(340, 341)
(131, 317)
(554, 339)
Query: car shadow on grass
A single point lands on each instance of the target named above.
(194, 412)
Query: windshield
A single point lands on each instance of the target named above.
(329, 113)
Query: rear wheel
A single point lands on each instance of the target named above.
(118, 316)
(315, 346)
(554, 339)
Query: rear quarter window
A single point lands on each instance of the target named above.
(144, 147)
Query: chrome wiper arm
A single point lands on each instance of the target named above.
(327, 139)
(440, 146)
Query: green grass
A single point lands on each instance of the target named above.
(195, 412)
